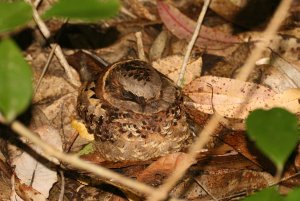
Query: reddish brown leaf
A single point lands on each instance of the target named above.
(25, 192)
(162, 167)
(183, 27)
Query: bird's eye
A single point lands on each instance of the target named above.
(127, 95)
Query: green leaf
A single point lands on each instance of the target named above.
(87, 149)
(15, 76)
(275, 132)
(268, 194)
(294, 195)
(83, 10)
(13, 15)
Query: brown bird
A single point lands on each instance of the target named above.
(134, 112)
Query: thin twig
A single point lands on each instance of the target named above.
(206, 191)
(127, 12)
(285, 179)
(97, 58)
(213, 122)
(71, 74)
(45, 68)
(62, 187)
(192, 42)
(37, 3)
(112, 177)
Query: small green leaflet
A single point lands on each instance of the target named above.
(268, 194)
(89, 10)
(15, 76)
(275, 133)
(13, 15)
(293, 195)
(87, 149)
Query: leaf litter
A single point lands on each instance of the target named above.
(206, 94)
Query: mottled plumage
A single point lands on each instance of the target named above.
(134, 112)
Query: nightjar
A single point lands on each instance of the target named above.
(135, 112)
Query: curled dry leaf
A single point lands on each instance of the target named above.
(282, 75)
(235, 99)
(25, 192)
(183, 27)
(170, 66)
(158, 46)
(35, 175)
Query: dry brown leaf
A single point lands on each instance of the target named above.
(38, 175)
(239, 142)
(170, 66)
(222, 176)
(183, 27)
(60, 113)
(52, 86)
(231, 182)
(227, 96)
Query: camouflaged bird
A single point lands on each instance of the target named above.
(135, 112)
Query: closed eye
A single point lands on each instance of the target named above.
(129, 96)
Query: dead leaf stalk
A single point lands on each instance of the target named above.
(191, 43)
(62, 187)
(58, 51)
(45, 68)
(213, 122)
(140, 46)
